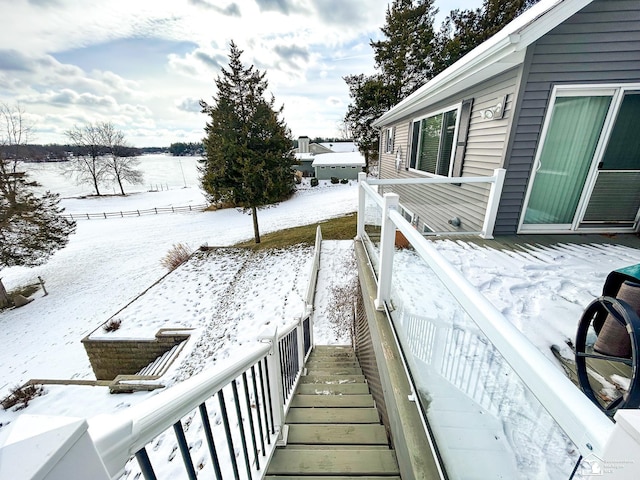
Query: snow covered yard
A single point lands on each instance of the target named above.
(108, 263)
(228, 295)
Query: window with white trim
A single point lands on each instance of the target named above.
(433, 142)
(389, 133)
(408, 215)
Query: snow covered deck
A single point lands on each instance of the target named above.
(476, 320)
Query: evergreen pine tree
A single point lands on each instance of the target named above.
(404, 56)
(248, 159)
(463, 30)
(370, 99)
(31, 225)
(404, 62)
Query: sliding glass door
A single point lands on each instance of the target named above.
(564, 163)
(614, 200)
(586, 175)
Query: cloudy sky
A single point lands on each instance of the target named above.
(144, 64)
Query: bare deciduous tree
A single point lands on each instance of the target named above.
(121, 161)
(103, 155)
(88, 165)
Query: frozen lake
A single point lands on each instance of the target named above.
(160, 172)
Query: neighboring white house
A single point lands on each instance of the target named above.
(339, 165)
(344, 160)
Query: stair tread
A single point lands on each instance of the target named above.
(332, 415)
(339, 401)
(333, 371)
(332, 379)
(331, 477)
(335, 389)
(334, 428)
(331, 434)
(333, 461)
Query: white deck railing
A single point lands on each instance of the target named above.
(496, 182)
(585, 424)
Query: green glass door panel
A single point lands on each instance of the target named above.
(615, 198)
(623, 148)
(571, 140)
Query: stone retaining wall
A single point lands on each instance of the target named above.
(110, 358)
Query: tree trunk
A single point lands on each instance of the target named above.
(120, 185)
(95, 184)
(256, 230)
(4, 297)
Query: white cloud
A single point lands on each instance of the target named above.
(189, 105)
(306, 47)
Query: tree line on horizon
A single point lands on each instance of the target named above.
(412, 52)
(56, 152)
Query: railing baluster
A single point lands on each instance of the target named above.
(184, 450)
(251, 424)
(266, 375)
(283, 367)
(298, 356)
(145, 464)
(293, 359)
(209, 436)
(243, 439)
(255, 394)
(227, 431)
(285, 360)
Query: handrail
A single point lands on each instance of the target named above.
(145, 421)
(580, 419)
(430, 180)
(119, 436)
(315, 266)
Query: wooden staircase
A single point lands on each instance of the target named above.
(334, 428)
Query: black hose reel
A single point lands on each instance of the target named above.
(617, 328)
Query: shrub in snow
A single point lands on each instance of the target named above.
(335, 180)
(112, 325)
(340, 308)
(314, 182)
(176, 256)
(344, 181)
(21, 396)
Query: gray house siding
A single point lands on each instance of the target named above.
(435, 205)
(600, 44)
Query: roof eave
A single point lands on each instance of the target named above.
(494, 56)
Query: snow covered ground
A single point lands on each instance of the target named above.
(108, 263)
(229, 295)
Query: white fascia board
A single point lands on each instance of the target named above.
(490, 67)
(498, 54)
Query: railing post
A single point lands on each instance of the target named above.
(493, 202)
(387, 247)
(621, 451)
(362, 177)
(276, 390)
(50, 448)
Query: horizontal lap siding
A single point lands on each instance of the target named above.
(600, 44)
(486, 142)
